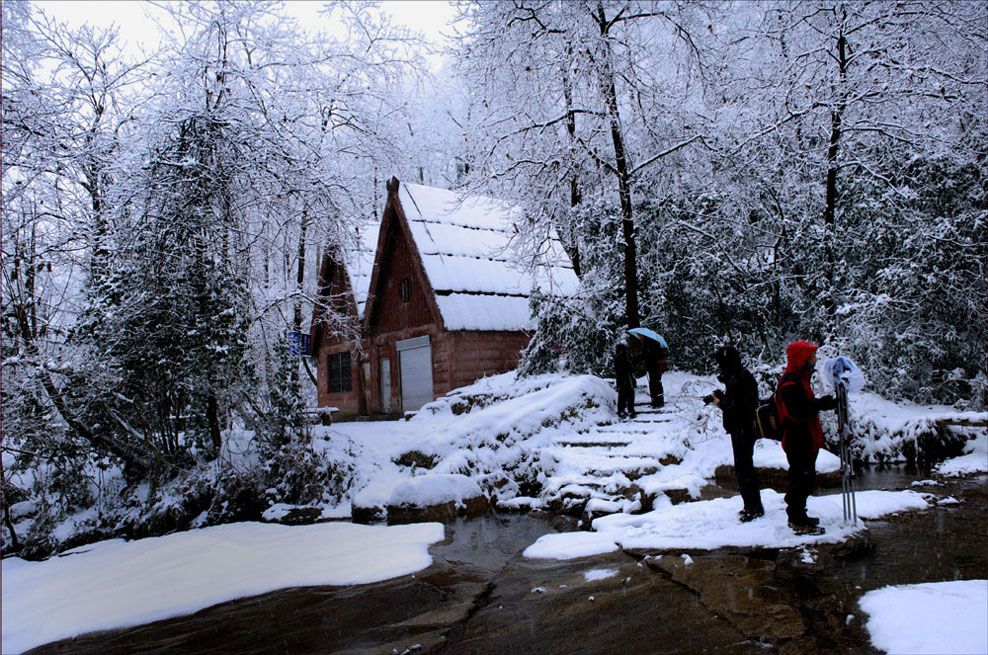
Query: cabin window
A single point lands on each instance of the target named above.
(339, 372)
(405, 290)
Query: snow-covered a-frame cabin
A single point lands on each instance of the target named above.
(444, 304)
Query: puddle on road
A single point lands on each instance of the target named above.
(894, 477)
(485, 544)
(946, 542)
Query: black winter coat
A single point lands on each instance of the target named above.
(739, 402)
(623, 373)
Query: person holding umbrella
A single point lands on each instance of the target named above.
(655, 353)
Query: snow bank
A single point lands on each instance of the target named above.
(932, 618)
(975, 459)
(498, 442)
(115, 583)
(432, 489)
(706, 525)
(512, 435)
(883, 429)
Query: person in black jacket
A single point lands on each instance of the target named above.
(656, 364)
(624, 376)
(738, 401)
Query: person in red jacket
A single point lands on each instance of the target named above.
(802, 435)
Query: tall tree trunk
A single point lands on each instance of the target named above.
(830, 209)
(609, 91)
(213, 419)
(299, 287)
(574, 188)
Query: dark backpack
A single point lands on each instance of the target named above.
(767, 423)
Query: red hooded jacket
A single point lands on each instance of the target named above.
(797, 406)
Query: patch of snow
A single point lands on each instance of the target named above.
(117, 583)
(570, 545)
(277, 511)
(975, 459)
(599, 574)
(706, 525)
(433, 489)
(929, 619)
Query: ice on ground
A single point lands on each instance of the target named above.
(929, 619)
(710, 524)
(116, 583)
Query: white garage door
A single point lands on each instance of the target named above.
(415, 369)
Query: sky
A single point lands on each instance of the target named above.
(429, 17)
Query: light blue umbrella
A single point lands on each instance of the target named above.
(651, 334)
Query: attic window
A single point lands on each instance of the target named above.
(405, 290)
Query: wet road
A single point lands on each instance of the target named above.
(481, 597)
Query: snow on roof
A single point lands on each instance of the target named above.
(470, 311)
(467, 252)
(359, 262)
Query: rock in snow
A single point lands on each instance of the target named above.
(436, 497)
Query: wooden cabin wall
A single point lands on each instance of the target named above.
(383, 346)
(476, 354)
(392, 313)
(350, 402)
(335, 292)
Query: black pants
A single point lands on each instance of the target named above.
(655, 387)
(626, 399)
(744, 469)
(802, 474)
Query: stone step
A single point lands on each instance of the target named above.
(593, 444)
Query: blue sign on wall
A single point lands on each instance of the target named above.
(300, 344)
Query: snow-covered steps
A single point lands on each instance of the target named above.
(591, 442)
(595, 472)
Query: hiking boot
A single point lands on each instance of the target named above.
(805, 520)
(746, 515)
(805, 528)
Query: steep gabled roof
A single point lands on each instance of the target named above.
(355, 265)
(467, 255)
(359, 262)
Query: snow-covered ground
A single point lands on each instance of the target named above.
(974, 459)
(710, 524)
(533, 442)
(117, 583)
(561, 434)
(929, 619)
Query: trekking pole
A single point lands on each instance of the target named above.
(848, 501)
